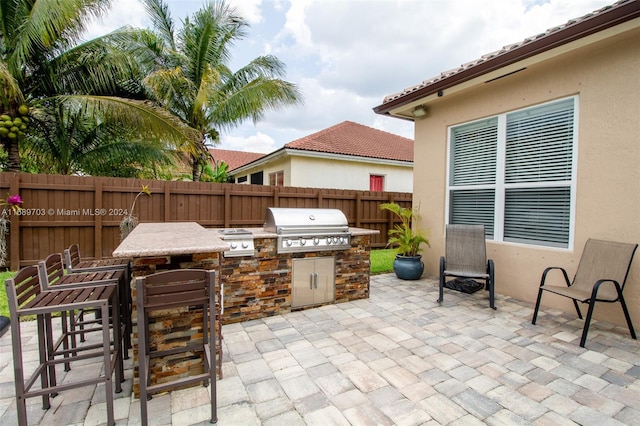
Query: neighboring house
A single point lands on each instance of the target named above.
(345, 156)
(233, 159)
(539, 141)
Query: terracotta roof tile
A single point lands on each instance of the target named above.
(349, 138)
(234, 159)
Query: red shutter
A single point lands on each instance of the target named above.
(376, 183)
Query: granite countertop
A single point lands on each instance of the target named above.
(166, 239)
(261, 233)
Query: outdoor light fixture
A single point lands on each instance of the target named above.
(419, 111)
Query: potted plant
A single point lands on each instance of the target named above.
(408, 263)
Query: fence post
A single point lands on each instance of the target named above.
(14, 227)
(227, 207)
(167, 201)
(97, 220)
(358, 209)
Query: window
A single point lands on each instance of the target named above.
(241, 179)
(515, 173)
(376, 183)
(257, 178)
(276, 178)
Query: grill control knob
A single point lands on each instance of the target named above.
(288, 242)
(316, 241)
(245, 244)
(328, 240)
(234, 245)
(303, 241)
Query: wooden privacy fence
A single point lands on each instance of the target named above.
(61, 210)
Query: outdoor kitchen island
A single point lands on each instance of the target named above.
(260, 272)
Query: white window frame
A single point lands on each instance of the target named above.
(500, 186)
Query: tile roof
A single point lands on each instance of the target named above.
(572, 30)
(349, 138)
(234, 159)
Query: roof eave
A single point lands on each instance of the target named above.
(602, 21)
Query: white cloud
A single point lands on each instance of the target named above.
(121, 13)
(258, 142)
(248, 9)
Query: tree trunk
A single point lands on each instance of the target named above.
(13, 153)
(195, 168)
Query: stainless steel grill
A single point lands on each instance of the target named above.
(303, 230)
(240, 242)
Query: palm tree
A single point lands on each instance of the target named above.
(195, 83)
(45, 64)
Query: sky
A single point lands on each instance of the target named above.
(345, 56)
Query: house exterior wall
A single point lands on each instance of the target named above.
(310, 172)
(604, 76)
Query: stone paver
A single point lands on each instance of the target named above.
(396, 358)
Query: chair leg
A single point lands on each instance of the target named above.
(491, 282)
(212, 355)
(627, 317)
(142, 362)
(67, 337)
(587, 321)
(575, 305)
(47, 371)
(441, 284)
(108, 383)
(47, 341)
(18, 368)
(535, 310)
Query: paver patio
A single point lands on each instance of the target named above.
(395, 358)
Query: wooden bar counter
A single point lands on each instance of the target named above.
(156, 247)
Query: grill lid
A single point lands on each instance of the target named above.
(304, 220)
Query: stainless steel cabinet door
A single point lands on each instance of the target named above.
(313, 281)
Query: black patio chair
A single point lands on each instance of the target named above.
(600, 277)
(466, 257)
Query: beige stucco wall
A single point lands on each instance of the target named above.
(605, 77)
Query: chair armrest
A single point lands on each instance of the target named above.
(552, 268)
(598, 283)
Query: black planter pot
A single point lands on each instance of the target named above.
(408, 267)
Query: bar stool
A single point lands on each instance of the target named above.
(75, 264)
(27, 297)
(169, 290)
(52, 277)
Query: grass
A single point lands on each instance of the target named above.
(4, 304)
(381, 263)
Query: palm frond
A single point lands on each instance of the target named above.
(161, 20)
(252, 100)
(142, 117)
(44, 26)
